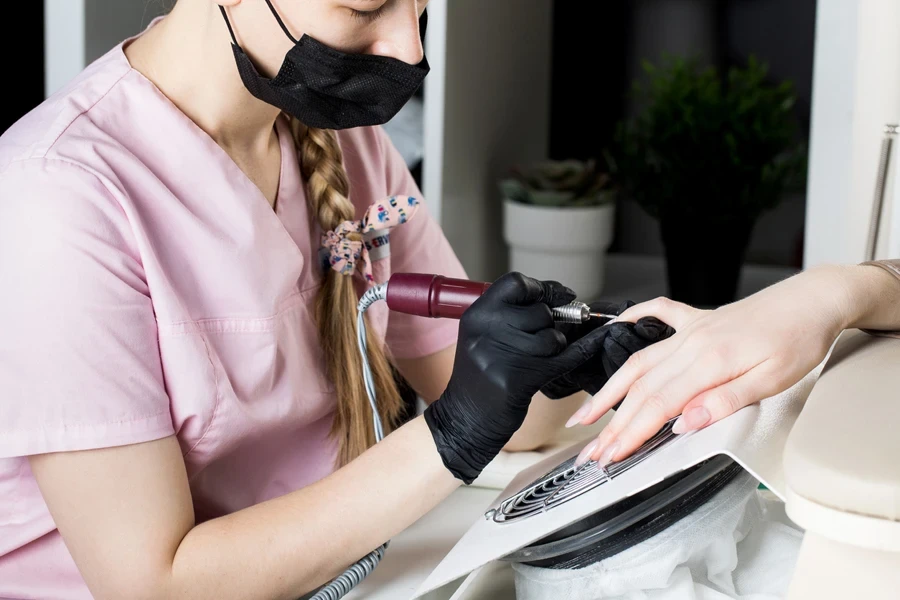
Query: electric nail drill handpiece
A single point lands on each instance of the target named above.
(436, 296)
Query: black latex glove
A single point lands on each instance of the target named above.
(508, 349)
(619, 341)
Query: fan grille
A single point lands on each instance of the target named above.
(566, 481)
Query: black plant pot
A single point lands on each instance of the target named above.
(704, 258)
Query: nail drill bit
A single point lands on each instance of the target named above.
(577, 312)
(594, 315)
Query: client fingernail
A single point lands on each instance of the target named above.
(579, 414)
(586, 453)
(694, 418)
(609, 454)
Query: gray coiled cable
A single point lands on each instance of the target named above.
(349, 579)
(359, 570)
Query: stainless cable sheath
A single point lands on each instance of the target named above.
(884, 159)
(359, 570)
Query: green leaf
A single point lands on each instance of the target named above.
(708, 142)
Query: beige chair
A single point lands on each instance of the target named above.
(842, 470)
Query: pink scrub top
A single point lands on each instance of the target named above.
(149, 290)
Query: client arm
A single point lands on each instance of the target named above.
(722, 360)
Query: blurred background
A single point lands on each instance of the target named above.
(700, 149)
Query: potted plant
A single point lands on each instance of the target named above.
(706, 156)
(558, 222)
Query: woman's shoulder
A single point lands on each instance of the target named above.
(47, 205)
(70, 118)
(56, 178)
(43, 196)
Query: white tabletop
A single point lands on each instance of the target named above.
(412, 555)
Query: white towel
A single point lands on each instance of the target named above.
(732, 547)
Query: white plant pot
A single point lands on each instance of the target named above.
(561, 244)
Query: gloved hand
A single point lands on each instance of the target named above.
(508, 349)
(619, 341)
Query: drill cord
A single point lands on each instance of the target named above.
(358, 571)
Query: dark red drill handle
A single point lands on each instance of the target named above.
(432, 296)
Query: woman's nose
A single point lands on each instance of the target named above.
(399, 38)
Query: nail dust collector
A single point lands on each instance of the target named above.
(558, 516)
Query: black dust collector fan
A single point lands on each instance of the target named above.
(615, 528)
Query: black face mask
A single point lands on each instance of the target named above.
(328, 89)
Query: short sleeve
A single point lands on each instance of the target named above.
(418, 246)
(79, 355)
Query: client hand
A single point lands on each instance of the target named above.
(508, 349)
(718, 361)
(620, 341)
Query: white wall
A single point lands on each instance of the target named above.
(64, 40)
(77, 32)
(878, 101)
(856, 91)
(496, 96)
(108, 22)
(433, 109)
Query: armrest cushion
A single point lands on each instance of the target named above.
(844, 450)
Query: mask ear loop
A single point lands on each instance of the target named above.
(274, 13)
(280, 22)
(228, 24)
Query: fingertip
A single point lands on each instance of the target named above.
(556, 294)
(559, 335)
(619, 448)
(559, 339)
(611, 453)
(593, 413)
(590, 417)
(625, 306)
(518, 289)
(579, 414)
(609, 437)
(642, 426)
(600, 405)
(696, 417)
(632, 315)
(714, 405)
(587, 452)
(629, 315)
(662, 308)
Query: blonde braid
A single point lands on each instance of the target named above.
(321, 163)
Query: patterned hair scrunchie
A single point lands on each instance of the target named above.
(346, 255)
